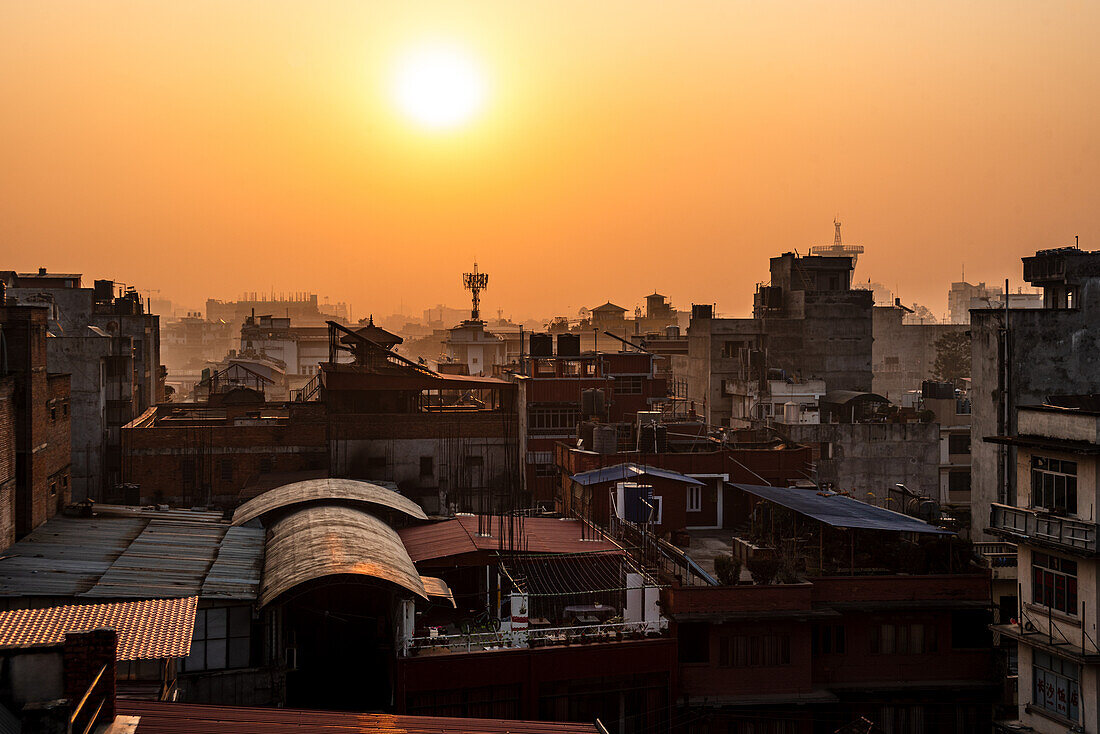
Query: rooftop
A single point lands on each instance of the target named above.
(170, 718)
(131, 552)
(147, 630)
(461, 535)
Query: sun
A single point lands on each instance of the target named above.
(438, 86)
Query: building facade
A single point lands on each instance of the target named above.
(1053, 522)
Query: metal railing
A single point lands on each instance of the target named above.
(1063, 531)
(536, 637)
(80, 712)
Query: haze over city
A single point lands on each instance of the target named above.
(223, 147)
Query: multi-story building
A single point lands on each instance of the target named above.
(556, 392)
(904, 354)
(450, 441)
(35, 419)
(808, 323)
(962, 295)
(951, 409)
(1052, 519)
(1022, 356)
(302, 308)
(104, 338)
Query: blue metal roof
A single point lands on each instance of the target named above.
(622, 472)
(841, 511)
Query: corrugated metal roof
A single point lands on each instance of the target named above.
(330, 541)
(326, 490)
(841, 511)
(438, 588)
(131, 553)
(170, 718)
(147, 630)
(460, 536)
(237, 568)
(621, 472)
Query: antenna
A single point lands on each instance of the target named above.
(475, 282)
(836, 238)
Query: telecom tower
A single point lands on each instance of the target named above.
(475, 282)
(838, 248)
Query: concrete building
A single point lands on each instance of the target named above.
(1022, 356)
(104, 338)
(35, 424)
(188, 343)
(961, 296)
(903, 355)
(807, 324)
(474, 349)
(1053, 521)
(302, 308)
(951, 409)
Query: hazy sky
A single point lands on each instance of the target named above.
(208, 148)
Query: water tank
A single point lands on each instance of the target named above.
(647, 438)
(592, 402)
(569, 345)
(542, 345)
(662, 438)
(702, 311)
(605, 439)
(791, 413)
(672, 331)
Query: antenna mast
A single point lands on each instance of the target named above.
(475, 282)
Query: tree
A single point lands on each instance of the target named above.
(952, 357)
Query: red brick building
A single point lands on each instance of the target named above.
(552, 402)
(34, 411)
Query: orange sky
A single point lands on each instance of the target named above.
(212, 147)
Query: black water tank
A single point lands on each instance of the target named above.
(702, 311)
(647, 438)
(542, 345)
(104, 290)
(569, 345)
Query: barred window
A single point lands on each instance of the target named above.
(903, 639)
(628, 385)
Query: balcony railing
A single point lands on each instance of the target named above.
(1062, 531)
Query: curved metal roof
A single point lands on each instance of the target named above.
(326, 490)
(843, 397)
(316, 542)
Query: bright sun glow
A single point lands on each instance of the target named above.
(438, 86)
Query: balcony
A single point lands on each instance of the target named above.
(1043, 529)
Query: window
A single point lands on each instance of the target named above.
(1057, 685)
(757, 651)
(474, 462)
(545, 470)
(731, 350)
(827, 639)
(225, 468)
(64, 409)
(903, 639)
(53, 489)
(220, 639)
(958, 443)
(1054, 485)
(427, 466)
(53, 413)
(958, 481)
(694, 499)
(1054, 582)
(628, 385)
(891, 364)
(553, 418)
(694, 642)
